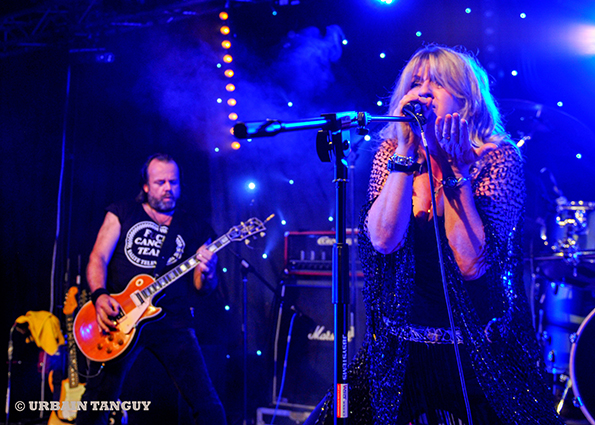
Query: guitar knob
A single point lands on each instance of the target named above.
(109, 350)
(110, 337)
(120, 341)
(100, 346)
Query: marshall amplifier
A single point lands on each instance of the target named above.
(311, 253)
(308, 365)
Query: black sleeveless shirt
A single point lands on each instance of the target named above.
(140, 246)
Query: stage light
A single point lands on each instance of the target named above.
(331, 218)
(291, 182)
(523, 15)
(230, 87)
(219, 65)
(367, 138)
(258, 353)
(227, 356)
(219, 100)
(227, 59)
(283, 222)
(265, 256)
(225, 30)
(560, 104)
(579, 156)
(216, 149)
(385, 1)
(235, 145)
(418, 33)
(290, 104)
(223, 16)
(233, 116)
(227, 308)
(226, 44)
(224, 269)
(345, 42)
(468, 10)
(274, 13)
(514, 73)
(379, 103)
(251, 185)
(231, 102)
(229, 73)
(382, 55)
(582, 37)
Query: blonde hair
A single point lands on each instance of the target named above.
(460, 73)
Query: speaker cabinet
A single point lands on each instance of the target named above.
(305, 323)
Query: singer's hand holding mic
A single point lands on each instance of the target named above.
(408, 133)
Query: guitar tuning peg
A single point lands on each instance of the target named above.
(246, 241)
(262, 234)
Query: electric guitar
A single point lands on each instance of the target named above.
(136, 301)
(72, 390)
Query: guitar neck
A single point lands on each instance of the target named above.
(174, 274)
(73, 370)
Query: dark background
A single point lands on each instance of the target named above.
(75, 129)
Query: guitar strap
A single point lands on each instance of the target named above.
(168, 248)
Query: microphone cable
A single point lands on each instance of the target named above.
(279, 397)
(414, 111)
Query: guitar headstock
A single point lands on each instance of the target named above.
(70, 303)
(244, 230)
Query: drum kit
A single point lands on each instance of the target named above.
(561, 237)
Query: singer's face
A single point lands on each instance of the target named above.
(436, 100)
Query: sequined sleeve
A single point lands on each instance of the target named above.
(498, 186)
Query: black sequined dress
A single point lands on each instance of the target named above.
(392, 380)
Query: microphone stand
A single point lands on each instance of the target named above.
(332, 145)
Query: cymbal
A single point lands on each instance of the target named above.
(526, 118)
(557, 267)
(553, 140)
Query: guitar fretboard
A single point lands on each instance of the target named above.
(73, 371)
(174, 274)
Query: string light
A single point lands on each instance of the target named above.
(228, 73)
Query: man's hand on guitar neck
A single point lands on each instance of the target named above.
(107, 310)
(206, 269)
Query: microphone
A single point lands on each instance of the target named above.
(413, 109)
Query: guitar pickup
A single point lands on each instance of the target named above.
(137, 298)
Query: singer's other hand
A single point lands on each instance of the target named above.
(452, 132)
